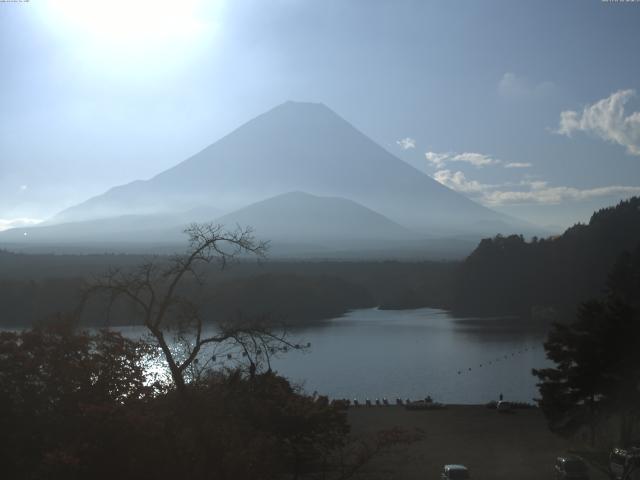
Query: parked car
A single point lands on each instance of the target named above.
(624, 462)
(571, 467)
(455, 472)
(504, 407)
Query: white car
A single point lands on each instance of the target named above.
(455, 472)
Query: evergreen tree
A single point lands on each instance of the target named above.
(597, 371)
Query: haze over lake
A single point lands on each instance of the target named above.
(372, 353)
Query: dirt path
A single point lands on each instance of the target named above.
(494, 446)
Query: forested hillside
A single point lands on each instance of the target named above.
(509, 275)
(34, 287)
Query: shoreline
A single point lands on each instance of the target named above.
(492, 445)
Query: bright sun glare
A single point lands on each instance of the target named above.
(127, 28)
(140, 21)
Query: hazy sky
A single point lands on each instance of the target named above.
(530, 108)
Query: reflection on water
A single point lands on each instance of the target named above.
(373, 353)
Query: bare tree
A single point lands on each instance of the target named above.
(162, 306)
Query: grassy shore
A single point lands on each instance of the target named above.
(492, 445)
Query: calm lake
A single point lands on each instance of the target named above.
(373, 353)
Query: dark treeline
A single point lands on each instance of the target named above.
(509, 275)
(33, 287)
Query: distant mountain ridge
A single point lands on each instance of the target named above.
(295, 223)
(298, 147)
(299, 174)
(299, 215)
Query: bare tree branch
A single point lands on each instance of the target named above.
(153, 288)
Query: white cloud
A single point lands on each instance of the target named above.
(517, 87)
(23, 187)
(534, 184)
(526, 192)
(517, 165)
(479, 160)
(556, 195)
(475, 159)
(607, 120)
(439, 160)
(7, 223)
(459, 182)
(406, 143)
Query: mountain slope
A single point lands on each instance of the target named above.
(301, 217)
(124, 228)
(299, 147)
(158, 228)
(293, 222)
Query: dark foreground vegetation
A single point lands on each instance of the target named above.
(594, 387)
(77, 406)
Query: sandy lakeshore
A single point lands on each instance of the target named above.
(492, 445)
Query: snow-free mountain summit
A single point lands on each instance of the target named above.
(298, 147)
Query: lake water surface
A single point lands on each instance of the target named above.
(373, 353)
